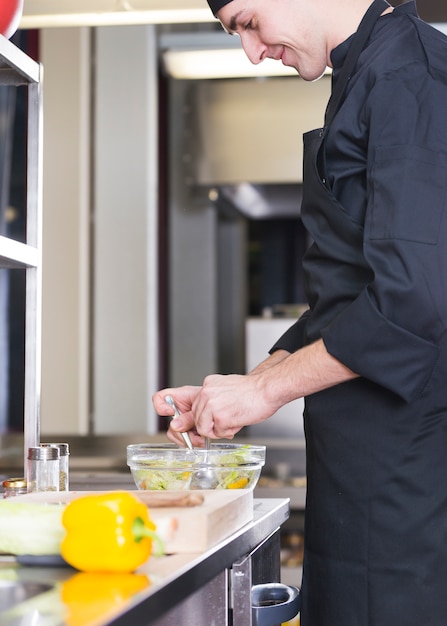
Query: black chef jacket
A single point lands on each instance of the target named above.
(376, 446)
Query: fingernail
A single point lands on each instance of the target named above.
(176, 423)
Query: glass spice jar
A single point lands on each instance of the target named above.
(63, 463)
(43, 468)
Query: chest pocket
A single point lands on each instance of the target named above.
(409, 194)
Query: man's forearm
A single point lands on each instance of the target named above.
(306, 371)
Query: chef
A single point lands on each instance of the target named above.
(370, 354)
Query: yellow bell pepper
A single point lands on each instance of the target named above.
(109, 532)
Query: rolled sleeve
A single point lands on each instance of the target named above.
(293, 339)
(388, 355)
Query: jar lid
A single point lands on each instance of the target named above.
(63, 447)
(45, 453)
(14, 483)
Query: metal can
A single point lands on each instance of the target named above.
(14, 487)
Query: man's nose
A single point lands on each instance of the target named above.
(254, 49)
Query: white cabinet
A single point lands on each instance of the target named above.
(16, 69)
(261, 333)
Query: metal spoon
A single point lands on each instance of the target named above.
(203, 477)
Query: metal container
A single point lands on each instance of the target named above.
(14, 487)
(274, 603)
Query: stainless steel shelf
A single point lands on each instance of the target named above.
(17, 69)
(16, 255)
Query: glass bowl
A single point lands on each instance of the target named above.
(172, 468)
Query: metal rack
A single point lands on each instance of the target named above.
(17, 69)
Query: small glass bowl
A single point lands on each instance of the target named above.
(172, 468)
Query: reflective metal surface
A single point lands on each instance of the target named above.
(12, 593)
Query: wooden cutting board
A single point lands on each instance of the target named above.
(189, 521)
(198, 528)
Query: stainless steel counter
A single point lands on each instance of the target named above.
(212, 588)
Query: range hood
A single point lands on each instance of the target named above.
(251, 129)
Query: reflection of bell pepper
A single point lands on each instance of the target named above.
(88, 596)
(109, 532)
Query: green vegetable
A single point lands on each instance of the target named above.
(30, 528)
(160, 479)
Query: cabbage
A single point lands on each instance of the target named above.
(30, 528)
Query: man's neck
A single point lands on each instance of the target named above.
(343, 18)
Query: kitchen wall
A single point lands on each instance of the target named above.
(125, 239)
(65, 54)
(100, 230)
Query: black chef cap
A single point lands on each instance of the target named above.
(216, 5)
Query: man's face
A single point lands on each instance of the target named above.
(285, 30)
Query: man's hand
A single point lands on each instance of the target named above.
(183, 398)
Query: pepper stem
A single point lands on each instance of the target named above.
(140, 530)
